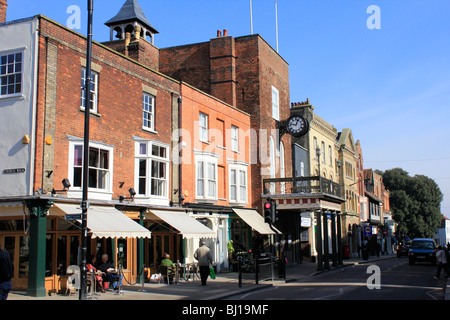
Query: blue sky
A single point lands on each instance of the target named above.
(391, 85)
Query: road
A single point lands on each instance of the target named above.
(390, 279)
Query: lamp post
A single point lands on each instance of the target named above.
(87, 110)
(318, 151)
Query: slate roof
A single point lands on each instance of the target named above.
(131, 11)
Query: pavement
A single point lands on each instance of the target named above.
(225, 285)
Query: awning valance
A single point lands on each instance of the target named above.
(181, 221)
(106, 222)
(255, 220)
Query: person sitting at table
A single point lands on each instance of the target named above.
(110, 274)
(167, 263)
(97, 273)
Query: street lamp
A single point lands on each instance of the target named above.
(318, 151)
(87, 111)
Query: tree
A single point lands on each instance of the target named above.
(415, 203)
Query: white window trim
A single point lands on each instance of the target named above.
(206, 157)
(152, 112)
(95, 193)
(206, 128)
(275, 104)
(234, 138)
(141, 198)
(17, 94)
(238, 167)
(95, 92)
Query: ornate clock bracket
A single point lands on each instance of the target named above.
(281, 127)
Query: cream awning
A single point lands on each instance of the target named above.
(106, 222)
(187, 226)
(255, 220)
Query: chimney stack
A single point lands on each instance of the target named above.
(3, 5)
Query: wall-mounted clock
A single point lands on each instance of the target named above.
(297, 125)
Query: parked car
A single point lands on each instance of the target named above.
(422, 250)
(403, 249)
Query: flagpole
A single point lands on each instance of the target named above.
(251, 18)
(276, 22)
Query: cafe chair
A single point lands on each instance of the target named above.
(167, 274)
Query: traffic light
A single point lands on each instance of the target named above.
(268, 213)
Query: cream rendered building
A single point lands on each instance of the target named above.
(321, 153)
(348, 178)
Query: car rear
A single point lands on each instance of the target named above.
(422, 250)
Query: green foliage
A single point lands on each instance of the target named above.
(415, 203)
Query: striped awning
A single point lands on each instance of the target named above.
(104, 221)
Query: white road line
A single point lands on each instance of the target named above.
(350, 284)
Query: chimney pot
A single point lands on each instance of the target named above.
(219, 33)
(225, 32)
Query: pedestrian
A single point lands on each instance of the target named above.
(203, 256)
(441, 259)
(6, 274)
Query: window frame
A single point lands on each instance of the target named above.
(110, 170)
(150, 112)
(150, 159)
(14, 73)
(234, 138)
(238, 169)
(203, 130)
(94, 93)
(275, 104)
(206, 159)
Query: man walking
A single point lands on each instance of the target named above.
(6, 273)
(441, 258)
(203, 256)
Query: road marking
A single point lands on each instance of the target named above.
(354, 284)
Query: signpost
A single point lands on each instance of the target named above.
(367, 231)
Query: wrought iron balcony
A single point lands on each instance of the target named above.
(301, 185)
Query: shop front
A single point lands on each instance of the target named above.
(44, 239)
(174, 232)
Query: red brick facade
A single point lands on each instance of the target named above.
(240, 71)
(221, 117)
(121, 83)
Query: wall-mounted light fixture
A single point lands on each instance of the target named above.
(66, 184)
(132, 193)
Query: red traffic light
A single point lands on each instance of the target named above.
(267, 205)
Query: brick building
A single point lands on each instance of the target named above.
(247, 73)
(135, 184)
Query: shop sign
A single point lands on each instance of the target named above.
(72, 216)
(305, 222)
(12, 171)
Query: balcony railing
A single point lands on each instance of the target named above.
(301, 185)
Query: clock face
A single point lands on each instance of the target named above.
(297, 126)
